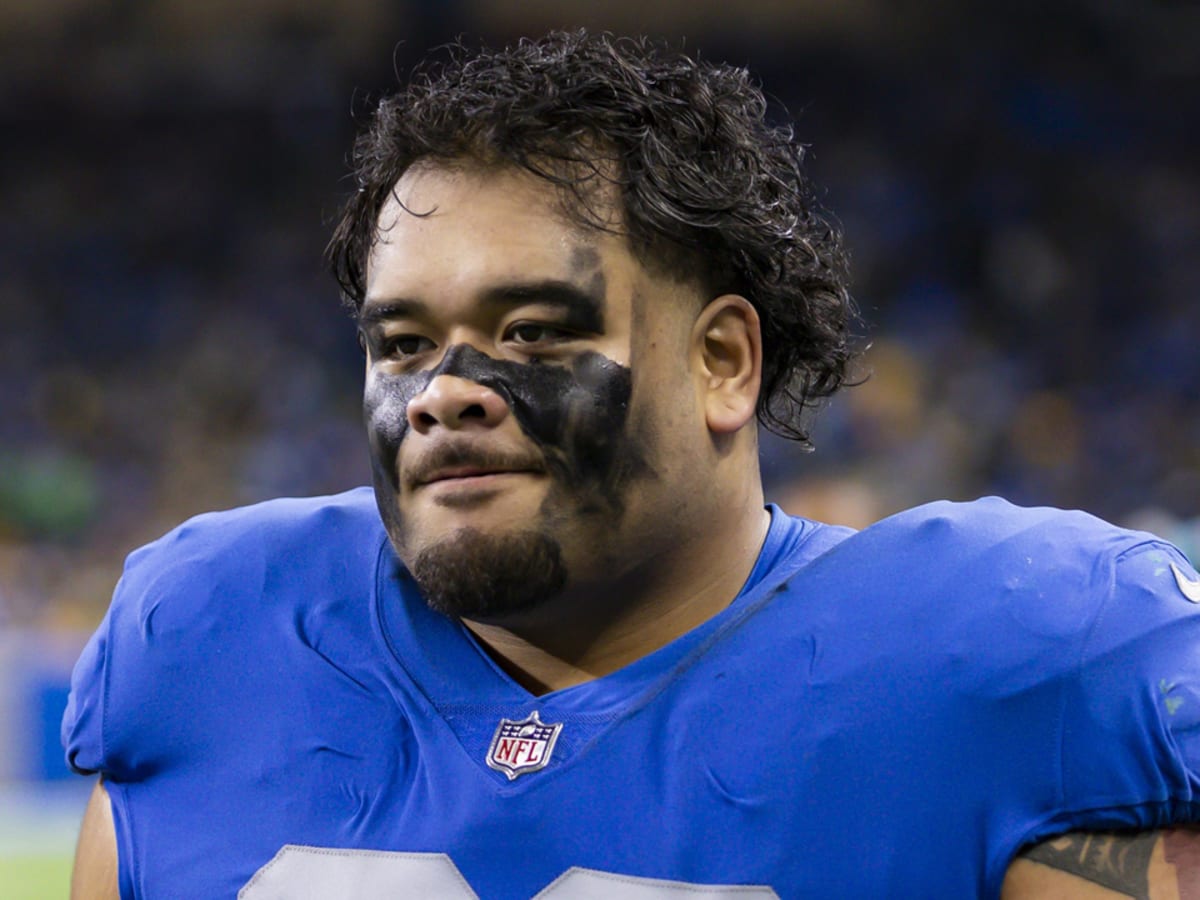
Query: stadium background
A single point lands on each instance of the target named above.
(1018, 183)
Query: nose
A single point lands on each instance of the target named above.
(456, 403)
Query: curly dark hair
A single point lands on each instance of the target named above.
(707, 189)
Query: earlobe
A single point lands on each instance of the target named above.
(727, 341)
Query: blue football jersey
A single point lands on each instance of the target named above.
(892, 712)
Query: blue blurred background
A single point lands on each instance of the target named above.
(1018, 182)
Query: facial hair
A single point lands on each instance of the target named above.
(483, 576)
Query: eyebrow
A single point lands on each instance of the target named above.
(584, 306)
(374, 313)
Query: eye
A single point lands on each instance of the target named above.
(537, 333)
(403, 346)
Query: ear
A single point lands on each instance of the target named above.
(727, 352)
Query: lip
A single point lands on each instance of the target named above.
(469, 476)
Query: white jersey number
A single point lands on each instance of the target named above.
(301, 873)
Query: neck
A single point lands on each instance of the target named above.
(584, 636)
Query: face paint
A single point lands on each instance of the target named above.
(575, 415)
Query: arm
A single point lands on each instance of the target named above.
(1146, 865)
(95, 874)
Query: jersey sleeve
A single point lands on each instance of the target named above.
(110, 695)
(82, 724)
(1131, 721)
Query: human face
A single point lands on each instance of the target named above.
(508, 393)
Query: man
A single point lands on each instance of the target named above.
(562, 649)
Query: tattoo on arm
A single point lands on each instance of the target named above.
(1181, 847)
(1120, 862)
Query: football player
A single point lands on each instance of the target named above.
(560, 648)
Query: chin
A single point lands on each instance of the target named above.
(489, 575)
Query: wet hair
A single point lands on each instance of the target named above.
(706, 189)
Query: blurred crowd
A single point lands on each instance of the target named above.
(1019, 188)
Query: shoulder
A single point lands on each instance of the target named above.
(1092, 621)
(1012, 551)
(212, 607)
(246, 573)
(241, 549)
(1045, 554)
(1014, 583)
(992, 524)
(242, 578)
(269, 526)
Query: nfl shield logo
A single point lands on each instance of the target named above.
(524, 746)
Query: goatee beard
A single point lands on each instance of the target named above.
(480, 576)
